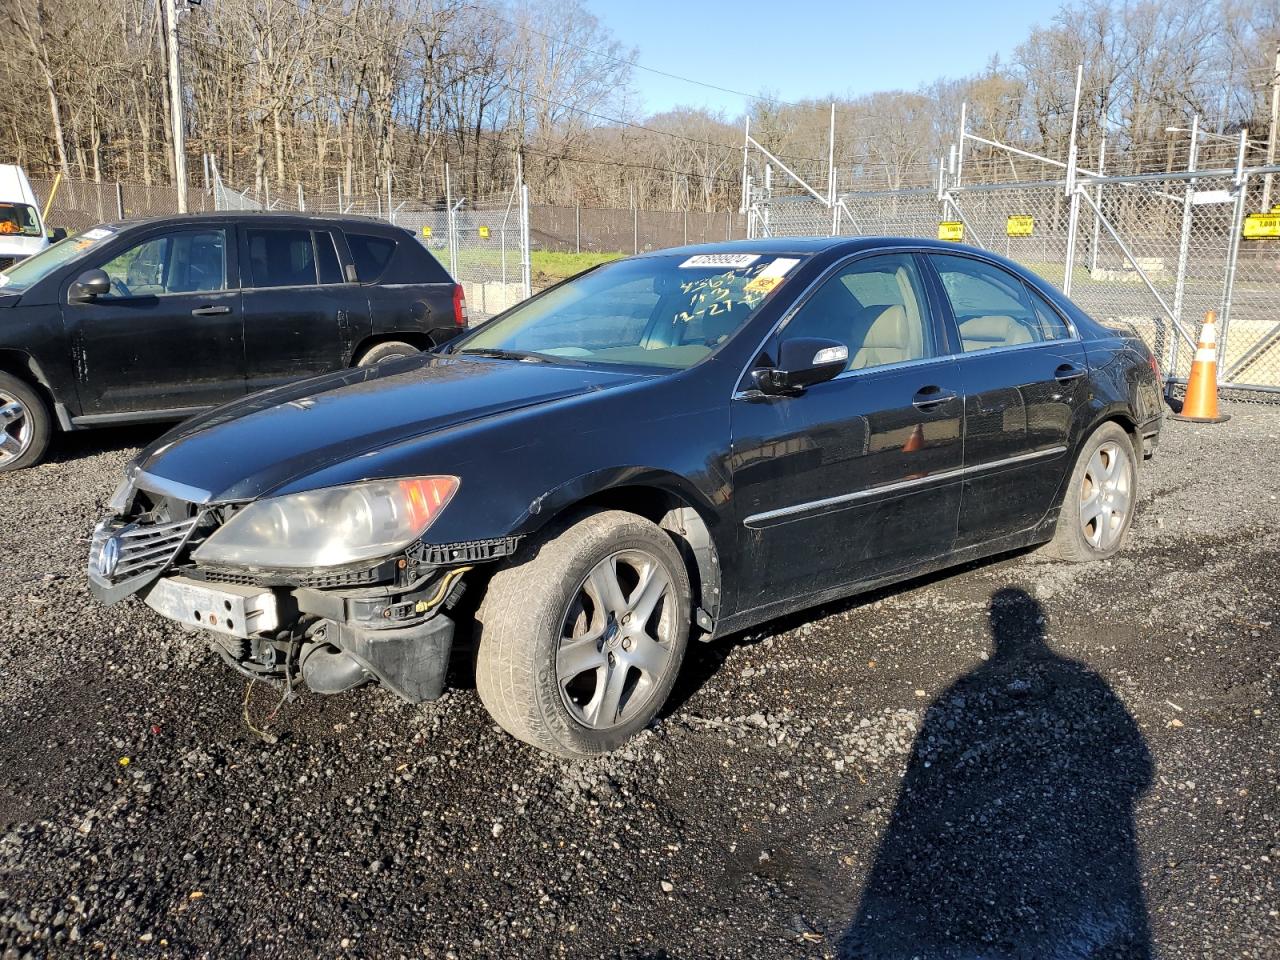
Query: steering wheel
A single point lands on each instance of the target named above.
(119, 287)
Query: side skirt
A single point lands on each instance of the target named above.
(1041, 533)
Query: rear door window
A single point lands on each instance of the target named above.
(371, 255)
(280, 257)
(991, 305)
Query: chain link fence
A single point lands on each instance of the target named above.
(1154, 251)
(488, 245)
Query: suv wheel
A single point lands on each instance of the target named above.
(25, 424)
(390, 350)
(581, 642)
(1101, 498)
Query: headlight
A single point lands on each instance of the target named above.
(331, 527)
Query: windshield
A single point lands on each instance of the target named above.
(32, 270)
(665, 311)
(19, 220)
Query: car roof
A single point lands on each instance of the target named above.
(14, 186)
(810, 245)
(280, 216)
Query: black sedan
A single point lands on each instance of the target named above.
(161, 319)
(680, 444)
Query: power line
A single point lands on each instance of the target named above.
(640, 66)
(525, 93)
(561, 158)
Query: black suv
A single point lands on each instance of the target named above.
(160, 319)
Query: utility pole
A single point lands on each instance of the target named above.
(1271, 136)
(175, 103)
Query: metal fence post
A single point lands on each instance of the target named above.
(526, 254)
(1184, 244)
(635, 229)
(119, 201)
(449, 224)
(1233, 251)
(577, 228)
(1097, 199)
(686, 228)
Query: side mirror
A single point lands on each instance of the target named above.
(803, 362)
(89, 286)
(57, 233)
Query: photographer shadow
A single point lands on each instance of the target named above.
(1013, 835)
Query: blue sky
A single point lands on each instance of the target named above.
(811, 48)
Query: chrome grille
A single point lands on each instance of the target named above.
(140, 548)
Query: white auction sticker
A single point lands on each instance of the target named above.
(97, 233)
(779, 268)
(733, 261)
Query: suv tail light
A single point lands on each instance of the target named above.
(460, 317)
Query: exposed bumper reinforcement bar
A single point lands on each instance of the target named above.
(231, 609)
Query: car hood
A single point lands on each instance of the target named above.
(251, 447)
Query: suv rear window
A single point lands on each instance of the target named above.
(370, 254)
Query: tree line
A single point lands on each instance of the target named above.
(342, 95)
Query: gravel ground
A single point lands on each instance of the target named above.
(1018, 759)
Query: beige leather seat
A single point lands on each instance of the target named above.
(894, 334)
(983, 333)
(887, 340)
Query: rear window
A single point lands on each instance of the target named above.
(370, 254)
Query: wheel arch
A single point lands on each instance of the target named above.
(26, 368)
(665, 499)
(415, 338)
(1120, 414)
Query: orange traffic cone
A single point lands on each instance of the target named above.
(1201, 402)
(915, 441)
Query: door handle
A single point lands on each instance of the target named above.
(1067, 372)
(210, 311)
(927, 398)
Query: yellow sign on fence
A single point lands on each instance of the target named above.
(426, 231)
(951, 230)
(1262, 226)
(1019, 226)
(484, 233)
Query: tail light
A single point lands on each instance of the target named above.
(460, 317)
(1155, 365)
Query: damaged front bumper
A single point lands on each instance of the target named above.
(333, 629)
(279, 633)
(333, 640)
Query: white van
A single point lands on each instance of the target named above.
(22, 231)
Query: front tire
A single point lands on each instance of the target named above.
(25, 424)
(581, 641)
(1101, 498)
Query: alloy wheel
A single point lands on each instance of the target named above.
(16, 428)
(1106, 495)
(617, 639)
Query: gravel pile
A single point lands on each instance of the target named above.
(1019, 759)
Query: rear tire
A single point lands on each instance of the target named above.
(581, 641)
(389, 350)
(25, 424)
(1101, 498)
